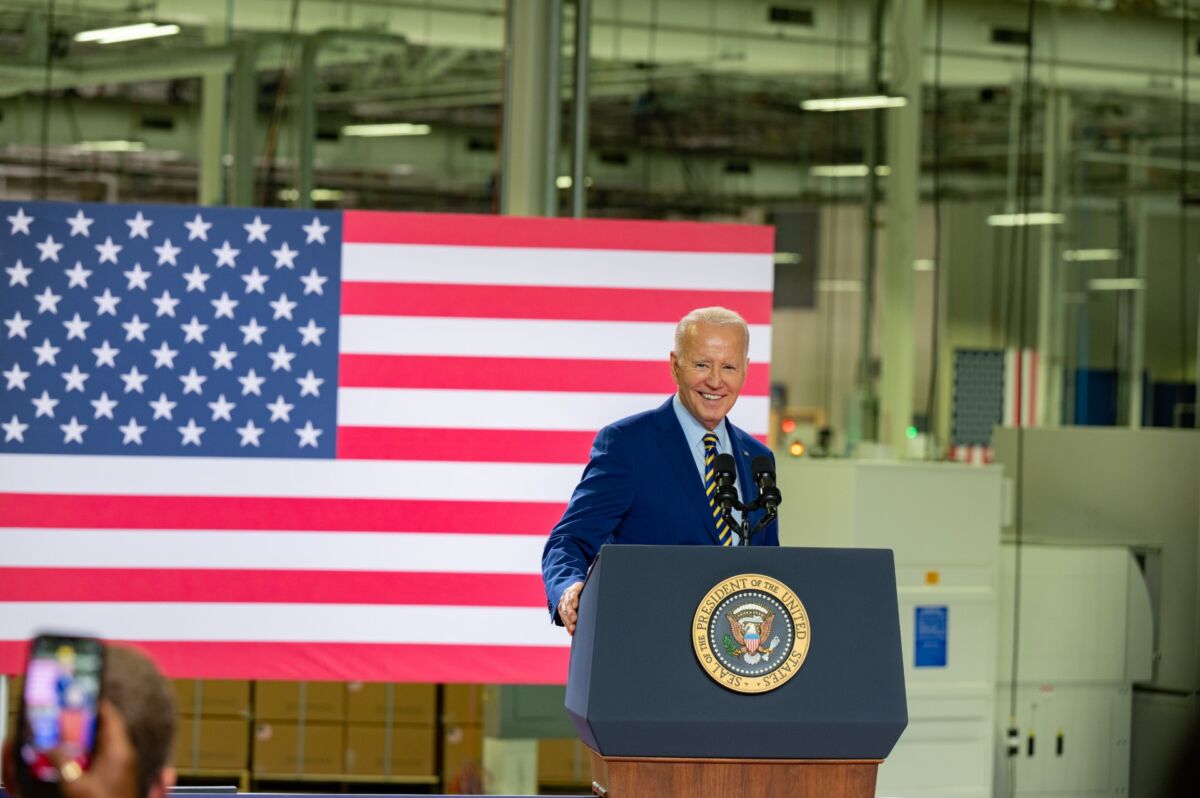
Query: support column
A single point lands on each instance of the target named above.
(245, 119)
(212, 127)
(897, 347)
(528, 151)
(579, 145)
(1051, 308)
(306, 121)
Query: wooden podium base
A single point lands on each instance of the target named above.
(629, 777)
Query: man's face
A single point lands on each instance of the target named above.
(710, 371)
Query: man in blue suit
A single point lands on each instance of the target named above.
(644, 482)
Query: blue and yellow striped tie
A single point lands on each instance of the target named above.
(710, 488)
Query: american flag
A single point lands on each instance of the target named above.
(326, 445)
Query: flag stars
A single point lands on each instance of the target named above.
(252, 383)
(74, 379)
(226, 255)
(46, 352)
(252, 332)
(193, 331)
(256, 230)
(223, 306)
(223, 357)
(80, 224)
(134, 380)
(137, 277)
(281, 359)
(106, 303)
(315, 231)
(283, 307)
(15, 377)
(47, 301)
(285, 256)
(255, 281)
(308, 435)
(221, 409)
(164, 356)
(313, 283)
(167, 253)
(162, 407)
(104, 406)
(165, 304)
(73, 431)
(139, 226)
(14, 430)
(105, 354)
(311, 333)
(280, 410)
(250, 434)
(77, 328)
(135, 329)
(17, 325)
(310, 384)
(20, 222)
(43, 405)
(191, 433)
(132, 432)
(193, 382)
(18, 274)
(108, 250)
(196, 279)
(49, 249)
(198, 228)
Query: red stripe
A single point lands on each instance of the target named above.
(73, 511)
(373, 662)
(475, 445)
(384, 227)
(522, 374)
(270, 587)
(544, 302)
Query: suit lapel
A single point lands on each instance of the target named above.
(741, 452)
(674, 446)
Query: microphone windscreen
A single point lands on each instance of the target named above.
(762, 465)
(724, 464)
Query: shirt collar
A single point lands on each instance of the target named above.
(694, 431)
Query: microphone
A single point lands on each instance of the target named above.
(726, 494)
(764, 476)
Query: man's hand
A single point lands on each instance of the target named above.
(568, 606)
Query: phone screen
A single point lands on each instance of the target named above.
(61, 700)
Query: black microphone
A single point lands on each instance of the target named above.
(726, 494)
(764, 476)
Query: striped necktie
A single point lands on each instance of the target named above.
(710, 488)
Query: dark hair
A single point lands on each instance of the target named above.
(143, 696)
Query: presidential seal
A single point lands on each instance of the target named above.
(751, 633)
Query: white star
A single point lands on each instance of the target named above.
(108, 250)
(311, 333)
(285, 256)
(281, 359)
(104, 406)
(315, 230)
(164, 356)
(20, 274)
(132, 432)
(162, 407)
(73, 431)
(308, 435)
(220, 408)
(196, 279)
(191, 433)
(45, 405)
(77, 275)
(16, 377)
(223, 357)
(252, 383)
(310, 384)
(193, 331)
(256, 230)
(280, 410)
(226, 255)
(46, 352)
(47, 301)
(134, 380)
(198, 228)
(105, 355)
(137, 277)
(255, 281)
(192, 382)
(80, 224)
(77, 328)
(17, 325)
(283, 307)
(49, 249)
(75, 379)
(135, 328)
(139, 226)
(20, 222)
(15, 430)
(106, 303)
(165, 304)
(313, 283)
(167, 253)
(252, 332)
(250, 433)
(224, 306)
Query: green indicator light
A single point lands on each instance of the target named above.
(911, 432)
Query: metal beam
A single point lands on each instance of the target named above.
(580, 97)
(525, 177)
(245, 117)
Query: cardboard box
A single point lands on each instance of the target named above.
(310, 702)
(462, 752)
(564, 762)
(462, 704)
(404, 704)
(375, 750)
(212, 744)
(289, 749)
(222, 698)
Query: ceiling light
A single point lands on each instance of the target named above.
(787, 258)
(923, 265)
(326, 194)
(1023, 219)
(854, 103)
(842, 286)
(126, 33)
(1116, 284)
(386, 129)
(847, 170)
(111, 145)
(1092, 254)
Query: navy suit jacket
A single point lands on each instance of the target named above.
(641, 486)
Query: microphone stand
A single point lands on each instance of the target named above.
(743, 528)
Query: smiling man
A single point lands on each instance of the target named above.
(645, 480)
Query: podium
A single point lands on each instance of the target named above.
(673, 688)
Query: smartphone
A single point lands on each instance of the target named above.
(59, 706)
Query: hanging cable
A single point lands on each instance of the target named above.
(281, 88)
(934, 359)
(1184, 163)
(47, 84)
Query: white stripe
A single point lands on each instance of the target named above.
(279, 551)
(312, 623)
(227, 476)
(577, 340)
(519, 410)
(688, 271)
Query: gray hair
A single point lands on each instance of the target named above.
(715, 316)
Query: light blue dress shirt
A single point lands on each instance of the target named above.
(694, 431)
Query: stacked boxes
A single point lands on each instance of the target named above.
(214, 725)
(299, 728)
(563, 763)
(390, 730)
(462, 737)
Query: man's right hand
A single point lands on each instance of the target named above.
(568, 607)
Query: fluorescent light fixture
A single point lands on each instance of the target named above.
(111, 145)
(386, 129)
(847, 170)
(1116, 284)
(565, 181)
(326, 194)
(854, 103)
(840, 286)
(1092, 254)
(1023, 219)
(127, 33)
(787, 258)
(923, 265)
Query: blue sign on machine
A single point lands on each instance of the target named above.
(929, 642)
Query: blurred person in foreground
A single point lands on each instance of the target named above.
(649, 478)
(135, 733)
